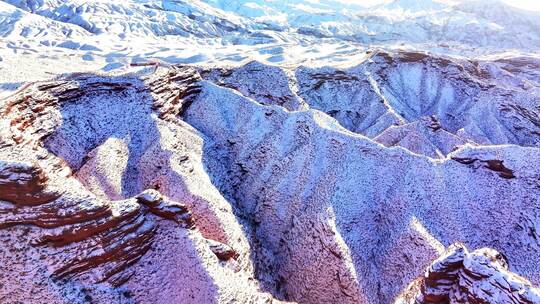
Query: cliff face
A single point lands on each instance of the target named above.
(261, 184)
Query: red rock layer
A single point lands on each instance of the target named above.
(111, 235)
(478, 277)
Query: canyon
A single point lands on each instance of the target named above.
(406, 176)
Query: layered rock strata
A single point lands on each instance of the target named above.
(460, 276)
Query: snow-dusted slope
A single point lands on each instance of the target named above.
(224, 151)
(53, 36)
(139, 18)
(448, 24)
(250, 202)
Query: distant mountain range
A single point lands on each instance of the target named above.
(444, 26)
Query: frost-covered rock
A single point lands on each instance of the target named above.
(203, 184)
(460, 276)
(77, 224)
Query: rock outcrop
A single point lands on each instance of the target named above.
(23, 183)
(478, 277)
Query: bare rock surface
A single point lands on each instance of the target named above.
(261, 184)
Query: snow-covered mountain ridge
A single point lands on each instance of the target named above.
(299, 151)
(472, 23)
(108, 35)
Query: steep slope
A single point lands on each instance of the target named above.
(120, 243)
(285, 202)
(432, 104)
(307, 183)
(269, 151)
